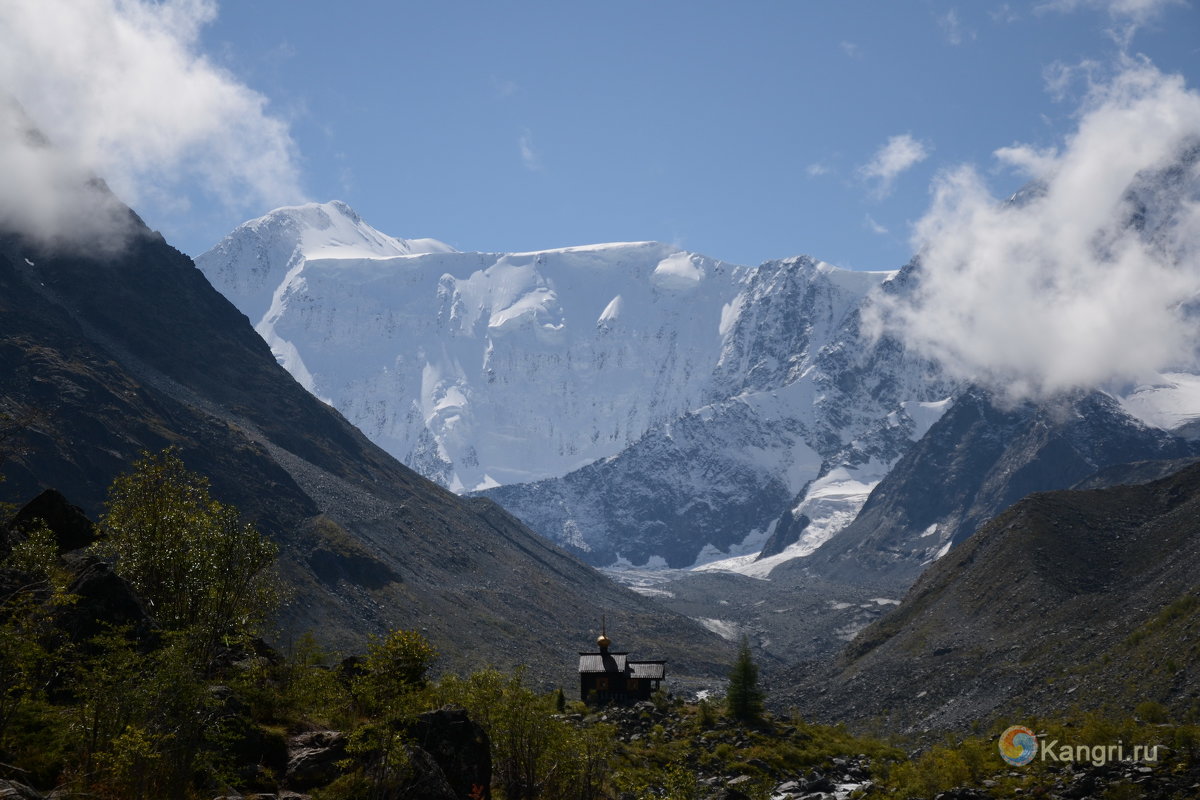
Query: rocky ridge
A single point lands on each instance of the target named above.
(977, 460)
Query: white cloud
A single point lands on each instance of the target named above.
(952, 28)
(529, 156)
(817, 169)
(1137, 10)
(504, 88)
(1004, 14)
(1059, 77)
(850, 49)
(874, 227)
(1059, 290)
(50, 195)
(1129, 15)
(899, 154)
(120, 90)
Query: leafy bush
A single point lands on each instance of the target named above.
(1151, 712)
(535, 754)
(199, 567)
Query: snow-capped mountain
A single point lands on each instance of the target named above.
(722, 395)
(481, 369)
(641, 404)
(258, 266)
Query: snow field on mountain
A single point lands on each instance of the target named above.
(482, 369)
(1169, 402)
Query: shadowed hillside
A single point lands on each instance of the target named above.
(1069, 599)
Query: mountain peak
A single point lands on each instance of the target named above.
(335, 230)
(258, 256)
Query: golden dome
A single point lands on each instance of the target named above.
(603, 642)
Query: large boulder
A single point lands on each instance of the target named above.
(11, 790)
(460, 747)
(428, 780)
(106, 600)
(313, 758)
(72, 529)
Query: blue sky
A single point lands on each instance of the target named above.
(742, 131)
(736, 130)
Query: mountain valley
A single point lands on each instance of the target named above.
(736, 443)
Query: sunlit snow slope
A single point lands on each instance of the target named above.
(479, 369)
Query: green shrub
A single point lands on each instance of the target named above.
(1151, 712)
(199, 567)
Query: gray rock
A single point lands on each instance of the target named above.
(313, 759)
(11, 790)
(429, 782)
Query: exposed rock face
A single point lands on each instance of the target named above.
(659, 500)
(1135, 472)
(427, 782)
(787, 532)
(976, 461)
(313, 758)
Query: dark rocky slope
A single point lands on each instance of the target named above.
(976, 461)
(1071, 599)
(119, 354)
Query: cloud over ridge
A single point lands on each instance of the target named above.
(120, 91)
(1090, 276)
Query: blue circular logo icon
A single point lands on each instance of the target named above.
(1018, 745)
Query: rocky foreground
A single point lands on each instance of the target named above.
(691, 753)
(731, 761)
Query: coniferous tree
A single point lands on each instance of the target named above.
(744, 700)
